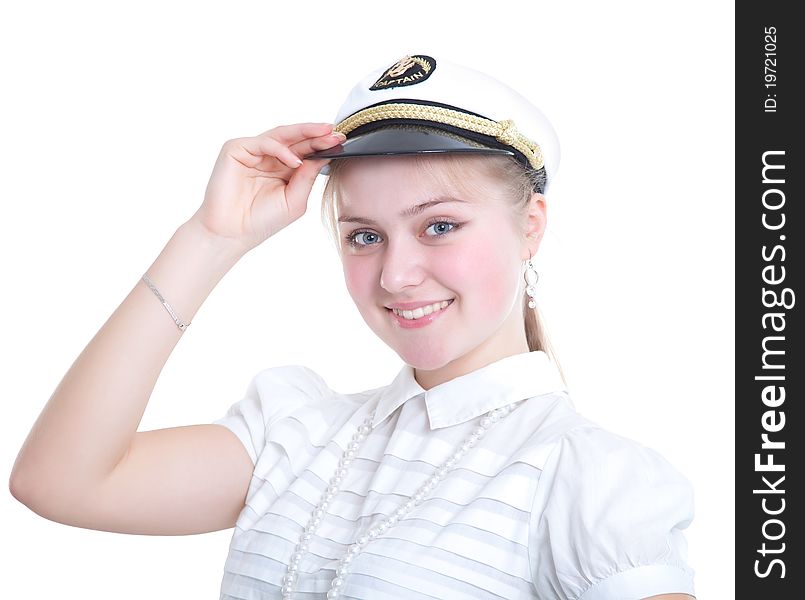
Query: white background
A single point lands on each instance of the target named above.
(112, 116)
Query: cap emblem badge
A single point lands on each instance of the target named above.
(406, 71)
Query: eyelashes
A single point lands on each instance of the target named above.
(351, 239)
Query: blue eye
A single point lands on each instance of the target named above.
(352, 238)
(441, 230)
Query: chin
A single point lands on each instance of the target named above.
(419, 355)
(422, 352)
(422, 362)
(428, 357)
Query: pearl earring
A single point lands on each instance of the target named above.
(531, 278)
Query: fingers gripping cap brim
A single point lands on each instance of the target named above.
(404, 140)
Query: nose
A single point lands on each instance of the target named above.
(402, 267)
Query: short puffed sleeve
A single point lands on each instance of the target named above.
(272, 393)
(607, 521)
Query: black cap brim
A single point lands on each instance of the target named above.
(404, 139)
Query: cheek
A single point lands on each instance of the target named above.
(484, 274)
(359, 278)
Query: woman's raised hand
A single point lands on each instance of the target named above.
(260, 184)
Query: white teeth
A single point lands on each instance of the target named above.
(420, 312)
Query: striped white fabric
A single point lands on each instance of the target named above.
(547, 505)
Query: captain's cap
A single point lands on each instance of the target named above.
(420, 105)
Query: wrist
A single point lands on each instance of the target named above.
(189, 267)
(219, 249)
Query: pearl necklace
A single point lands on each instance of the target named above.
(292, 573)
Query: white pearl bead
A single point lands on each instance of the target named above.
(333, 594)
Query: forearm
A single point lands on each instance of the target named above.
(88, 423)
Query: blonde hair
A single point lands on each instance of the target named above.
(518, 185)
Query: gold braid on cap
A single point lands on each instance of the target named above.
(504, 131)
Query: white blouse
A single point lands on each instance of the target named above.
(546, 505)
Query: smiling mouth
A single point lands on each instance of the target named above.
(422, 311)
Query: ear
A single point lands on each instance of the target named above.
(537, 218)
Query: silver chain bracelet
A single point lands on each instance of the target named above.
(179, 323)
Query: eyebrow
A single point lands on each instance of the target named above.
(411, 211)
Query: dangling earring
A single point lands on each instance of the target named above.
(531, 278)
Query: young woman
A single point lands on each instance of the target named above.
(470, 475)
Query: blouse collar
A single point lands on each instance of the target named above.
(467, 396)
